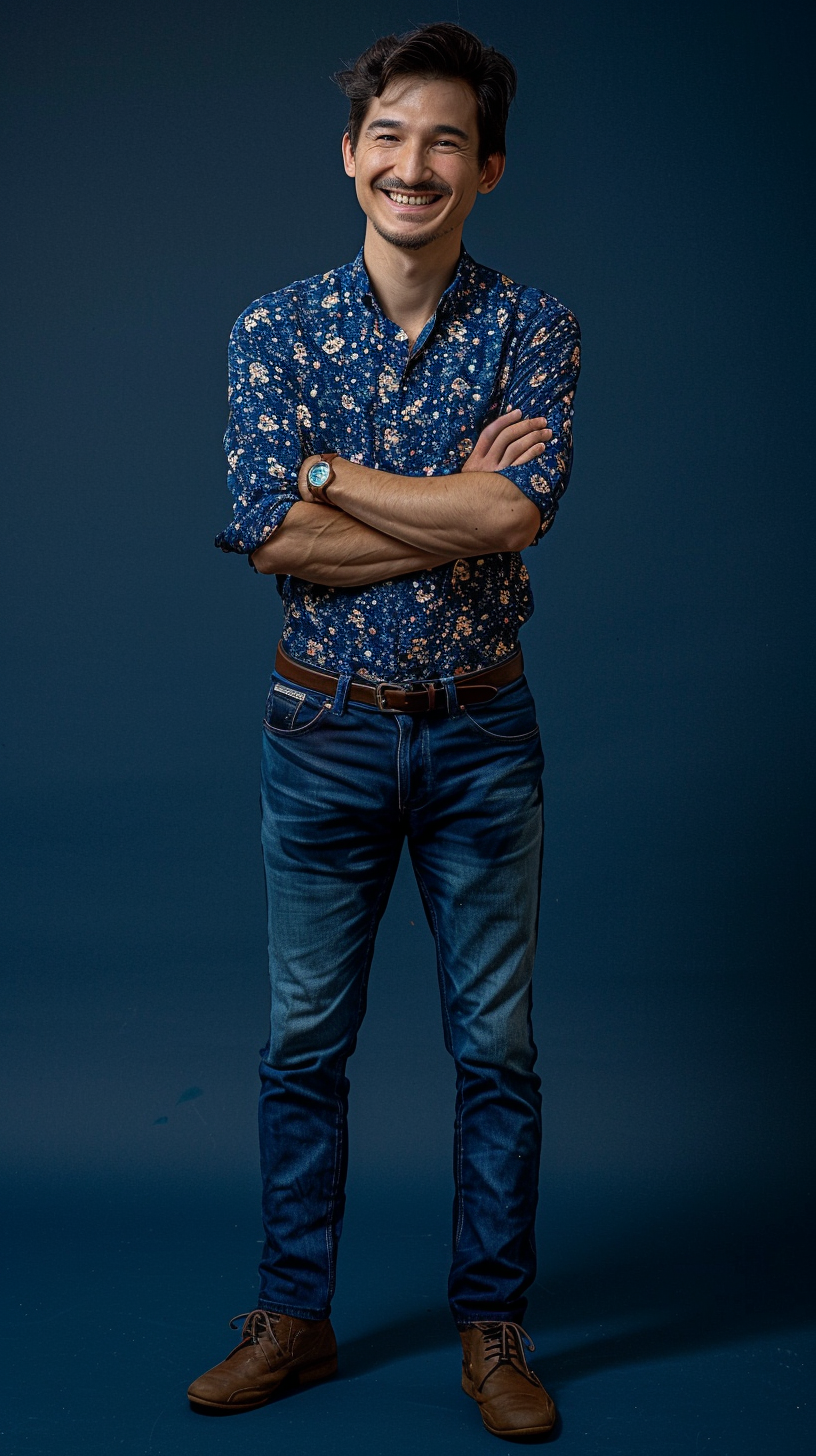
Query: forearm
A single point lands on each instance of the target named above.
(470, 514)
(331, 548)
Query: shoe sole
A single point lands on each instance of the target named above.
(516, 1433)
(294, 1380)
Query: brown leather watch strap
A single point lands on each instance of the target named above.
(318, 492)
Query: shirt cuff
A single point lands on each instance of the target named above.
(537, 487)
(250, 528)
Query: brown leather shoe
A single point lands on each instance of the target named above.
(276, 1352)
(512, 1400)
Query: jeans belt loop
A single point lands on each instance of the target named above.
(449, 689)
(341, 693)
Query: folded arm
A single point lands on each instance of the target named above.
(384, 525)
(332, 549)
(469, 514)
(507, 493)
(281, 531)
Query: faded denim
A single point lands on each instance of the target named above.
(342, 788)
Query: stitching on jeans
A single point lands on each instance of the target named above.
(330, 1245)
(446, 1013)
(372, 932)
(399, 769)
(304, 728)
(369, 956)
(502, 737)
(294, 1311)
(435, 923)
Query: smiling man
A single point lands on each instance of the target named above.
(400, 430)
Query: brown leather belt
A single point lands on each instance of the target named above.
(408, 697)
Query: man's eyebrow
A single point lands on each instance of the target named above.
(438, 130)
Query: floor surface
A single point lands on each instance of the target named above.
(688, 1338)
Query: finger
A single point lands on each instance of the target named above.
(494, 437)
(489, 433)
(528, 455)
(519, 447)
(517, 430)
(510, 452)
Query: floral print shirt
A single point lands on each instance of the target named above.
(317, 366)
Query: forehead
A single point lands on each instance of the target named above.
(425, 101)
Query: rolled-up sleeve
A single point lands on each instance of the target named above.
(543, 380)
(262, 440)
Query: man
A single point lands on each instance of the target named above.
(400, 429)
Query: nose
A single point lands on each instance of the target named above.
(412, 164)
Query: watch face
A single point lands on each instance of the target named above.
(319, 474)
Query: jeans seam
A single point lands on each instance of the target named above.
(331, 1248)
(400, 804)
(460, 1219)
(435, 923)
(331, 1252)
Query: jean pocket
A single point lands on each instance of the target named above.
(290, 710)
(510, 717)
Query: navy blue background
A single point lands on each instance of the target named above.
(168, 163)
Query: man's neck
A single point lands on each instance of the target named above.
(408, 283)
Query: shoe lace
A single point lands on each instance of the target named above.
(504, 1344)
(257, 1323)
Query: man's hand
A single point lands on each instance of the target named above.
(508, 440)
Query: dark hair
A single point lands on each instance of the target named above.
(436, 51)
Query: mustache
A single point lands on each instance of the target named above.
(395, 184)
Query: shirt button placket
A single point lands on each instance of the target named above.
(404, 463)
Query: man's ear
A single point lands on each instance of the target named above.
(348, 156)
(492, 171)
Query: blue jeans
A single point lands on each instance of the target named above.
(342, 786)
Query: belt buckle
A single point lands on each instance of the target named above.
(432, 687)
(380, 689)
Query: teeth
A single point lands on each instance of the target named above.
(407, 199)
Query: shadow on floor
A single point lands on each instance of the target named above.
(710, 1287)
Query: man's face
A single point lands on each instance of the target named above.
(416, 165)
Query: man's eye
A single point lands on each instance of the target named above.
(387, 137)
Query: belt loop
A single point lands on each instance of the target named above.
(449, 689)
(341, 694)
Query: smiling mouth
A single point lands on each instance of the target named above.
(411, 199)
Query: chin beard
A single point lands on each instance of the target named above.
(415, 241)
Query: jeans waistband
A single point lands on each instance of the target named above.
(422, 696)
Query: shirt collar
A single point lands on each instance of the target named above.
(465, 268)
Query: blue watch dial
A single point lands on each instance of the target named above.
(319, 474)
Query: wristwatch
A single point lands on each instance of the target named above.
(320, 476)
